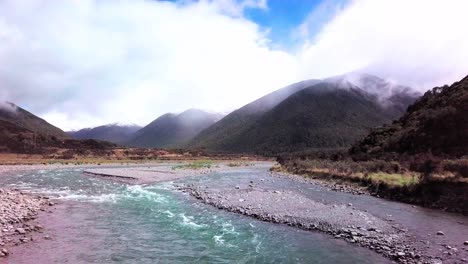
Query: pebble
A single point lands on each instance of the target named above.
(440, 233)
(20, 231)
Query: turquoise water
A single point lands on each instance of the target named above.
(100, 221)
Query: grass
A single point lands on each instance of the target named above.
(394, 179)
(195, 165)
(237, 164)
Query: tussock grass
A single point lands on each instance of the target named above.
(394, 179)
(195, 165)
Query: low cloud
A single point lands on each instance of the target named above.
(421, 43)
(87, 63)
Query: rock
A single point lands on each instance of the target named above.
(440, 233)
(4, 251)
(20, 231)
(277, 192)
(465, 243)
(241, 200)
(47, 237)
(350, 204)
(237, 187)
(400, 254)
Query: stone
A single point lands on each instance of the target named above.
(4, 251)
(400, 254)
(20, 231)
(440, 233)
(465, 243)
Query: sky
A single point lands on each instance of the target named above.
(84, 63)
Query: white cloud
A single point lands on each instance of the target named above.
(86, 62)
(418, 42)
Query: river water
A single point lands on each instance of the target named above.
(101, 221)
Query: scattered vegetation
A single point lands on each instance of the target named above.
(426, 180)
(195, 165)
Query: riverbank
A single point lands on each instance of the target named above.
(397, 231)
(439, 184)
(399, 237)
(19, 218)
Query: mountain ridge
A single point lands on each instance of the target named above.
(259, 133)
(173, 130)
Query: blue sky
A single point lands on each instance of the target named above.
(283, 18)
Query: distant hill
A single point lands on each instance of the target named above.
(17, 139)
(173, 131)
(222, 135)
(16, 115)
(115, 133)
(333, 113)
(437, 123)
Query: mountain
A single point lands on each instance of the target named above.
(172, 131)
(333, 113)
(219, 135)
(16, 115)
(115, 133)
(437, 123)
(23, 132)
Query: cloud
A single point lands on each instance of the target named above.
(84, 63)
(421, 43)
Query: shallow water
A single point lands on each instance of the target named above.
(100, 221)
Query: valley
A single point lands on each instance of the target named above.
(320, 159)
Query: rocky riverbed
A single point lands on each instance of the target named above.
(391, 236)
(18, 212)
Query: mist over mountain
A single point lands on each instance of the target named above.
(115, 133)
(172, 130)
(333, 113)
(21, 118)
(217, 136)
(437, 123)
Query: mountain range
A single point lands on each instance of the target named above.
(173, 130)
(115, 133)
(333, 113)
(312, 114)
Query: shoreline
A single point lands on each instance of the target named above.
(277, 205)
(341, 222)
(396, 241)
(20, 218)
